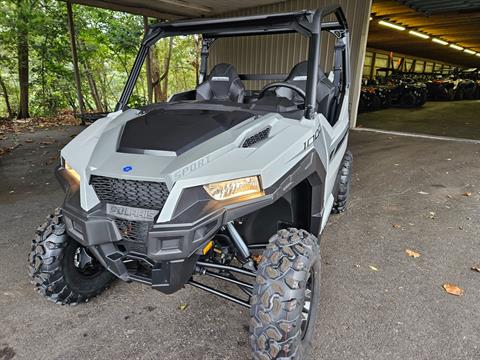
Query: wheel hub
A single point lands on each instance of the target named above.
(82, 260)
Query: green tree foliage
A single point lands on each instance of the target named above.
(107, 44)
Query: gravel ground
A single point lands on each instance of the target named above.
(398, 312)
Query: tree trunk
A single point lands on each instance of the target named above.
(148, 64)
(155, 74)
(166, 68)
(88, 105)
(104, 89)
(73, 45)
(93, 88)
(197, 42)
(22, 53)
(5, 96)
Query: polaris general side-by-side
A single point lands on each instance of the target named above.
(221, 181)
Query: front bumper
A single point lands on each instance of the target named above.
(169, 250)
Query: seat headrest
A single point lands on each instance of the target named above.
(223, 84)
(299, 72)
(223, 72)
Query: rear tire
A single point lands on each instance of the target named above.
(450, 95)
(288, 282)
(344, 180)
(422, 99)
(376, 103)
(459, 95)
(56, 270)
(408, 100)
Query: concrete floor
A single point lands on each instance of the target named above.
(398, 312)
(445, 118)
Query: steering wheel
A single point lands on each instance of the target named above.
(295, 88)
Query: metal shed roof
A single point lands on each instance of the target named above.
(455, 21)
(430, 7)
(175, 9)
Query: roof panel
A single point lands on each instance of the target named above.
(459, 26)
(175, 9)
(441, 6)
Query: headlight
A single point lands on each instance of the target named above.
(72, 172)
(248, 186)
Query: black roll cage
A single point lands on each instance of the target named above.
(306, 22)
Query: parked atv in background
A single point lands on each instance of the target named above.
(460, 85)
(408, 94)
(404, 91)
(440, 90)
(474, 75)
(466, 89)
(373, 96)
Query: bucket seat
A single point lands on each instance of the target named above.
(223, 83)
(298, 77)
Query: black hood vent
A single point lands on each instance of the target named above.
(260, 136)
(176, 130)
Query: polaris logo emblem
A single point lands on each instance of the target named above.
(127, 168)
(131, 213)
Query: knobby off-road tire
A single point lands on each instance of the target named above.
(421, 100)
(344, 180)
(459, 94)
(376, 103)
(408, 100)
(288, 280)
(53, 270)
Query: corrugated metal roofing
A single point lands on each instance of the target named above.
(441, 6)
(460, 26)
(174, 9)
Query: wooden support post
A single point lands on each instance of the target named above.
(412, 67)
(372, 65)
(76, 70)
(148, 65)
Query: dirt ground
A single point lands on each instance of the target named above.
(407, 193)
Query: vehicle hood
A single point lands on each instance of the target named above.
(176, 130)
(183, 147)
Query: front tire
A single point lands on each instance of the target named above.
(61, 269)
(344, 180)
(286, 297)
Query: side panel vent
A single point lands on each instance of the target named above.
(260, 136)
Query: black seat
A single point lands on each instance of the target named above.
(223, 84)
(298, 77)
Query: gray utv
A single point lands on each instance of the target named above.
(220, 181)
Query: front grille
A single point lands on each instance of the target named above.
(139, 194)
(134, 234)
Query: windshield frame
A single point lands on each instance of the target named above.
(307, 23)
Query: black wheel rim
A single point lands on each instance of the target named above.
(85, 263)
(307, 309)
